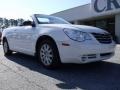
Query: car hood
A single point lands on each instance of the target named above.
(83, 28)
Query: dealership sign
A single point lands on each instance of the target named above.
(100, 6)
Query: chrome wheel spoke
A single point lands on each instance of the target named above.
(49, 60)
(50, 56)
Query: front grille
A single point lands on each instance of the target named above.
(103, 38)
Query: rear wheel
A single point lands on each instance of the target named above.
(48, 54)
(6, 49)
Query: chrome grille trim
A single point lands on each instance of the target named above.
(103, 38)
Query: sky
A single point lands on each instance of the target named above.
(23, 8)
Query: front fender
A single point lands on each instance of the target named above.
(57, 34)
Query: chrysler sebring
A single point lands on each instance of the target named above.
(53, 41)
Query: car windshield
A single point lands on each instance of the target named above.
(45, 19)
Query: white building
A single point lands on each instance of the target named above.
(100, 13)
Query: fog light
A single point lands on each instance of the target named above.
(84, 59)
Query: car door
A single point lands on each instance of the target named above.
(12, 38)
(26, 39)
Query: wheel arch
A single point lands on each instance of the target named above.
(41, 38)
(4, 38)
(8, 52)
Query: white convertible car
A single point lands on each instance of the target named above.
(54, 40)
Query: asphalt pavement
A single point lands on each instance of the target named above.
(22, 72)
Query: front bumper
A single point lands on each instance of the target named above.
(85, 52)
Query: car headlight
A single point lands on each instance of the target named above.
(77, 35)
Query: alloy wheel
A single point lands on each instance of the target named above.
(46, 54)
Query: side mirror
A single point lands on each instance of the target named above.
(33, 25)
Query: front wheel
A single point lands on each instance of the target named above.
(6, 49)
(48, 54)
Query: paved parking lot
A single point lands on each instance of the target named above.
(21, 72)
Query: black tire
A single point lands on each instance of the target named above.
(6, 49)
(54, 60)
